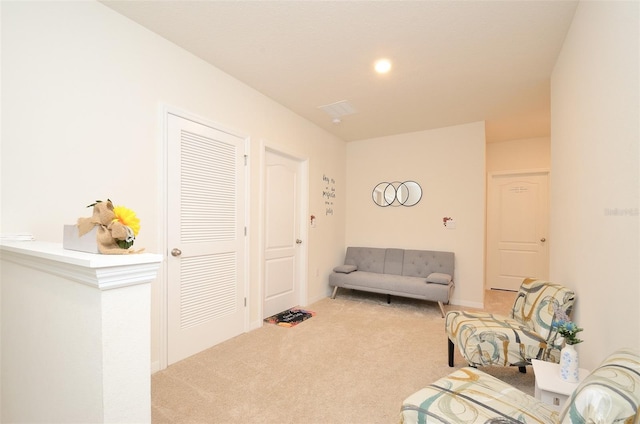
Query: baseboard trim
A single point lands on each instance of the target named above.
(255, 325)
(477, 305)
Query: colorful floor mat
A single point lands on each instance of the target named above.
(290, 317)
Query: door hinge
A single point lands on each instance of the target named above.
(246, 159)
(245, 302)
(245, 231)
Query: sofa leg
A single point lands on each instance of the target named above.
(450, 352)
(523, 370)
(335, 291)
(441, 309)
(388, 299)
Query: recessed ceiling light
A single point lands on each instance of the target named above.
(383, 66)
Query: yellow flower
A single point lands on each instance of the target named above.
(127, 217)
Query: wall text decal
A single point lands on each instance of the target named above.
(328, 194)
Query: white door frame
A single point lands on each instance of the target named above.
(303, 210)
(514, 173)
(163, 286)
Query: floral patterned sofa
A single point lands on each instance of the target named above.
(609, 394)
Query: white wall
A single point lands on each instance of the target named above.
(595, 164)
(526, 153)
(449, 164)
(514, 156)
(82, 90)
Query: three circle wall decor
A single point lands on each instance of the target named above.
(397, 193)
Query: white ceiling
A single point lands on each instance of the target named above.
(453, 61)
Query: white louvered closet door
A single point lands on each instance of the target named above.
(205, 237)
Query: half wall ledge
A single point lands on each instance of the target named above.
(75, 334)
(100, 271)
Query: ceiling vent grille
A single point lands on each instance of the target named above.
(338, 109)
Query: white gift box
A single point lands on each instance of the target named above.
(71, 239)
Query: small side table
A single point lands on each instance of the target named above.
(550, 388)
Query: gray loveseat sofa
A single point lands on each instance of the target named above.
(419, 274)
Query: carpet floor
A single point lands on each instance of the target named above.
(354, 362)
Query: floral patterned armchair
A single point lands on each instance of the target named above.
(527, 333)
(609, 394)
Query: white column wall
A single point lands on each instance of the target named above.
(595, 165)
(75, 331)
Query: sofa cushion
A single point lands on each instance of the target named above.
(393, 259)
(391, 284)
(439, 278)
(370, 259)
(421, 263)
(374, 280)
(345, 269)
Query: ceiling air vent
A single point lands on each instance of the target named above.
(338, 109)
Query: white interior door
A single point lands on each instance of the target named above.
(282, 274)
(517, 223)
(205, 236)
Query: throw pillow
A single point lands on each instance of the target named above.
(345, 269)
(439, 278)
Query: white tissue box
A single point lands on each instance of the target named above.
(71, 239)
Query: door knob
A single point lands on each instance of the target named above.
(176, 252)
(298, 241)
(543, 239)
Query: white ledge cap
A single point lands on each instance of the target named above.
(96, 270)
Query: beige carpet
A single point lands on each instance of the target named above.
(354, 362)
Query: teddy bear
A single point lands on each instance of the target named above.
(110, 230)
